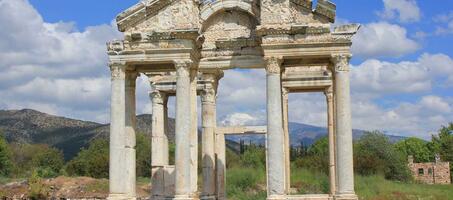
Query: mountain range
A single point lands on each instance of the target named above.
(70, 135)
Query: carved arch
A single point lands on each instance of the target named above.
(213, 8)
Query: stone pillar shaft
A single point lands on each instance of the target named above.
(220, 166)
(208, 141)
(287, 148)
(343, 128)
(331, 136)
(122, 134)
(159, 143)
(183, 131)
(275, 136)
(194, 131)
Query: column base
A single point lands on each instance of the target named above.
(207, 197)
(345, 197)
(185, 197)
(120, 197)
(276, 197)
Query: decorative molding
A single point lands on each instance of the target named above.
(273, 64)
(341, 62)
(191, 34)
(329, 93)
(327, 9)
(115, 47)
(138, 12)
(307, 4)
(237, 43)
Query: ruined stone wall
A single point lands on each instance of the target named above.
(433, 173)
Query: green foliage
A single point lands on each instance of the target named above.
(44, 160)
(316, 156)
(6, 164)
(143, 156)
(37, 189)
(245, 183)
(254, 157)
(309, 181)
(374, 154)
(415, 147)
(443, 144)
(93, 162)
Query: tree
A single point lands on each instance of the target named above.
(417, 148)
(443, 144)
(375, 154)
(93, 162)
(6, 164)
(254, 157)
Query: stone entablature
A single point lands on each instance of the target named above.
(431, 172)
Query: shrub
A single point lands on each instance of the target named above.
(93, 162)
(6, 164)
(415, 147)
(37, 189)
(374, 154)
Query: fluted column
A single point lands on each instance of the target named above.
(285, 95)
(275, 136)
(220, 166)
(159, 143)
(208, 106)
(122, 145)
(331, 135)
(183, 130)
(343, 128)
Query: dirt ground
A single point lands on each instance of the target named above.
(66, 188)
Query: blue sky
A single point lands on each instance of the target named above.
(53, 59)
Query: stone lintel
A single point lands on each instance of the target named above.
(241, 130)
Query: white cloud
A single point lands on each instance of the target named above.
(51, 66)
(404, 10)
(445, 24)
(383, 40)
(382, 78)
(240, 119)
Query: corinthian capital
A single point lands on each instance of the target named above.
(208, 95)
(183, 67)
(341, 61)
(118, 70)
(273, 64)
(157, 97)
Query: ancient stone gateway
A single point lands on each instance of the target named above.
(184, 46)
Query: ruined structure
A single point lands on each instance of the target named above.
(184, 46)
(437, 172)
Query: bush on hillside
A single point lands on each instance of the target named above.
(92, 162)
(46, 161)
(6, 165)
(374, 154)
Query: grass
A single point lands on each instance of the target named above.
(248, 183)
(377, 188)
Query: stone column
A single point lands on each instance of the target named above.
(208, 106)
(122, 146)
(183, 130)
(275, 136)
(159, 143)
(220, 166)
(287, 147)
(331, 136)
(343, 128)
(194, 131)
